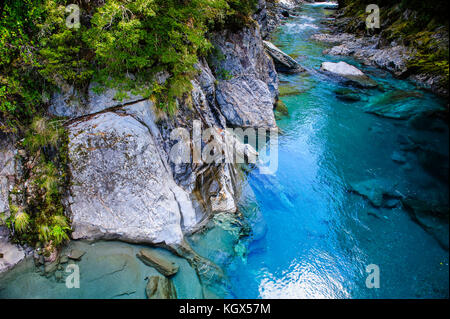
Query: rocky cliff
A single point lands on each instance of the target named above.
(123, 185)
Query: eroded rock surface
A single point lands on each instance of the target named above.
(121, 188)
(248, 82)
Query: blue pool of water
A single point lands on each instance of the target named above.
(312, 237)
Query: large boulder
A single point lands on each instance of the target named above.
(247, 80)
(121, 186)
(348, 73)
(283, 62)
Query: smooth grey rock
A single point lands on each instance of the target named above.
(152, 258)
(349, 73)
(121, 187)
(11, 255)
(283, 62)
(159, 287)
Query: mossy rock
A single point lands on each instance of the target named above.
(286, 90)
(347, 95)
(281, 108)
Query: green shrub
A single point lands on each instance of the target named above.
(118, 38)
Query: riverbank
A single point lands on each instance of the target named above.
(411, 42)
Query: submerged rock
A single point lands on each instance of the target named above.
(283, 62)
(153, 259)
(76, 254)
(348, 73)
(393, 105)
(281, 108)
(347, 95)
(289, 89)
(432, 216)
(159, 287)
(398, 157)
(378, 192)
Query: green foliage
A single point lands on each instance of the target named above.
(121, 43)
(43, 219)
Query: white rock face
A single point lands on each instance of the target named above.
(248, 81)
(121, 187)
(341, 68)
(348, 72)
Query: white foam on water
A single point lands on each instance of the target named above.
(307, 18)
(316, 4)
(297, 28)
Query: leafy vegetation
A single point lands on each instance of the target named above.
(120, 43)
(41, 217)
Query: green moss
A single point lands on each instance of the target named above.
(286, 90)
(281, 108)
